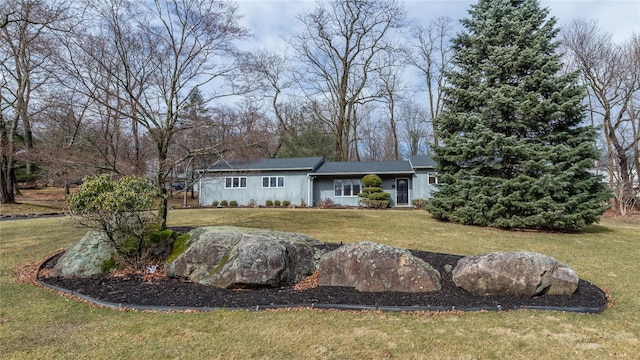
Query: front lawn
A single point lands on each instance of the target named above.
(38, 324)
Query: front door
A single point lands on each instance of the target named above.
(402, 192)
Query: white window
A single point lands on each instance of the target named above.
(432, 179)
(235, 182)
(347, 187)
(273, 181)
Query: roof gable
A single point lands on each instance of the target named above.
(422, 161)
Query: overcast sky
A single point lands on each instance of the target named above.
(271, 21)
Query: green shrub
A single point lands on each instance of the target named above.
(277, 203)
(286, 203)
(379, 196)
(375, 204)
(215, 203)
(373, 196)
(121, 210)
(372, 180)
(369, 190)
(158, 235)
(233, 203)
(268, 203)
(224, 203)
(109, 265)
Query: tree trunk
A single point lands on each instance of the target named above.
(7, 180)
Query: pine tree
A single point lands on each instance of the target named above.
(514, 152)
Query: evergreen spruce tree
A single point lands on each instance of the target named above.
(514, 152)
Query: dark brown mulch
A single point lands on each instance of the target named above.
(133, 289)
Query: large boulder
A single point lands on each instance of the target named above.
(206, 249)
(371, 267)
(86, 257)
(517, 274)
(233, 257)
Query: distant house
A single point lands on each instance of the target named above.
(312, 179)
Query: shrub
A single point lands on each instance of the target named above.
(253, 203)
(372, 180)
(121, 210)
(233, 203)
(419, 203)
(109, 265)
(303, 203)
(276, 203)
(380, 196)
(215, 203)
(373, 196)
(286, 203)
(224, 203)
(325, 204)
(269, 203)
(375, 204)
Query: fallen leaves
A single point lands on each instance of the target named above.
(309, 282)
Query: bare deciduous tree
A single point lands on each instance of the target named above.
(337, 52)
(432, 57)
(269, 72)
(155, 55)
(414, 128)
(26, 45)
(612, 74)
(391, 91)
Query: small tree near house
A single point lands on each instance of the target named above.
(122, 210)
(373, 196)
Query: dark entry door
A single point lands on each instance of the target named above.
(402, 191)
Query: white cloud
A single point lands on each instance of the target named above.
(274, 21)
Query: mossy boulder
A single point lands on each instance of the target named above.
(234, 257)
(87, 257)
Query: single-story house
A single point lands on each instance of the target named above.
(309, 180)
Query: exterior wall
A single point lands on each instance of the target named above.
(296, 188)
(212, 187)
(421, 187)
(323, 189)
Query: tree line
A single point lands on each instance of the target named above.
(160, 88)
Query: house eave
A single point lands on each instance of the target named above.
(359, 173)
(252, 170)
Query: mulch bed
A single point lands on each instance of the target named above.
(144, 290)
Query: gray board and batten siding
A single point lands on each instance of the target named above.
(311, 179)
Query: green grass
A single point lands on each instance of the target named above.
(38, 324)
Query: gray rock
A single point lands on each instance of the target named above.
(371, 267)
(517, 274)
(232, 257)
(85, 258)
(207, 247)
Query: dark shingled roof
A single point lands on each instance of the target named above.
(365, 167)
(317, 166)
(307, 163)
(422, 161)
